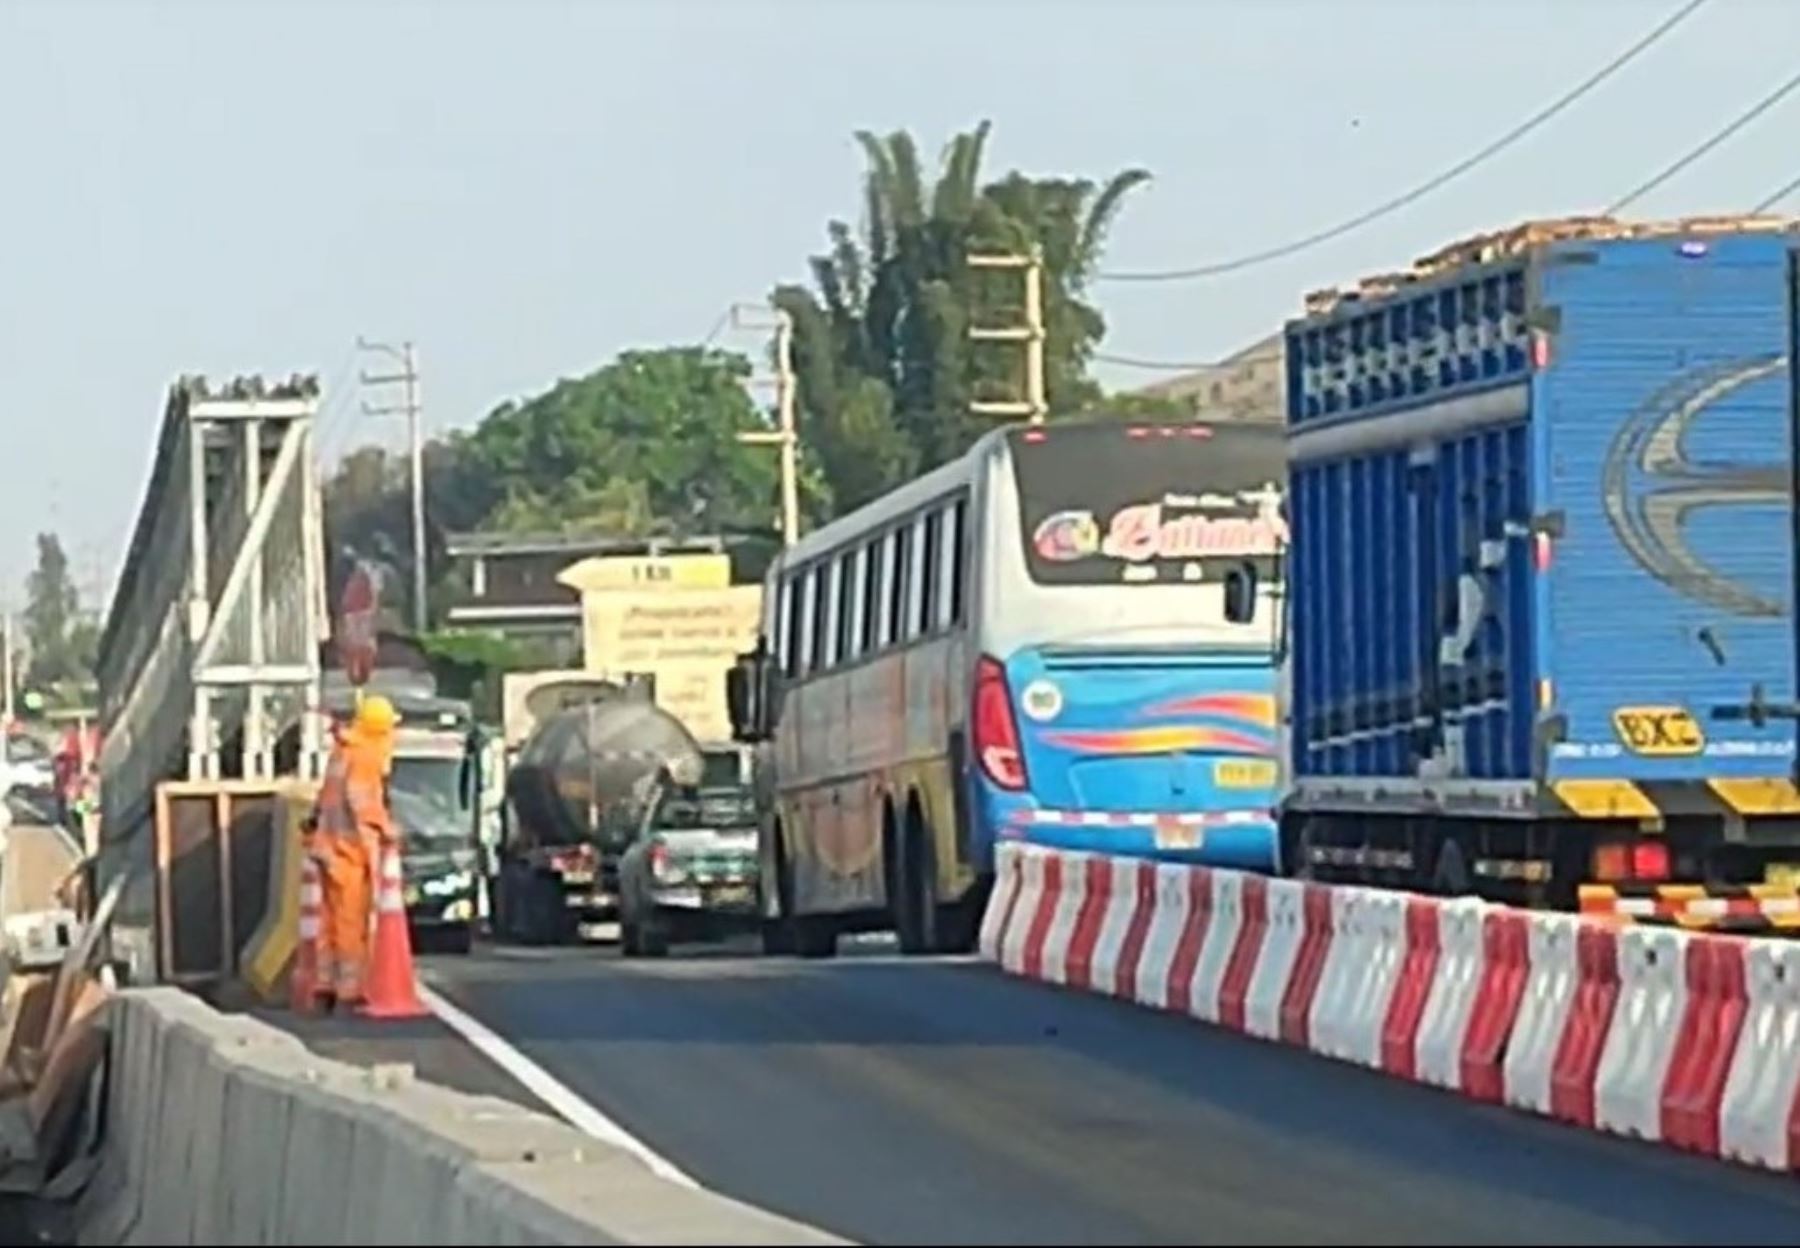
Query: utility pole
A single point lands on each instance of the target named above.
(408, 377)
(784, 435)
(6, 669)
(1035, 406)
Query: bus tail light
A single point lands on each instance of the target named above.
(996, 731)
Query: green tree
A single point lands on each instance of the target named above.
(881, 339)
(64, 645)
(645, 446)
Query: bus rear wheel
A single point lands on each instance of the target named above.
(914, 886)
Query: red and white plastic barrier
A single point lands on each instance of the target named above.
(1455, 990)
(1765, 1070)
(1543, 1013)
(1690, 1039)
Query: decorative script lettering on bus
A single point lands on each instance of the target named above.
(1142, 533)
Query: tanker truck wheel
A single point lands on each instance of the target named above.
(531, 910)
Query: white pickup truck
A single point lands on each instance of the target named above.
(690, 872)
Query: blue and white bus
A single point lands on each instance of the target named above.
(1067, 636)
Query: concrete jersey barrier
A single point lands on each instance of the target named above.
(1685, 1039)
(223, 1130)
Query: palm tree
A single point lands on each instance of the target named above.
(894, 301)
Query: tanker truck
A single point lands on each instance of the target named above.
(577, 793)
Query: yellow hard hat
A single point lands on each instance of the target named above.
(376, 714)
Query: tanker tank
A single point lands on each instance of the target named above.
(575, 793)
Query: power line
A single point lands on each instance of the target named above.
(712, 335)
(1185, 366)
(1178, 366)
(1425, 188)
(1669, 171)
(331, 427)
(1776, 196)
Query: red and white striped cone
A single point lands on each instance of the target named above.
(303, 979)
(393, 991)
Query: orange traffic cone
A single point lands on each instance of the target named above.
(392, 990)
(303, 980)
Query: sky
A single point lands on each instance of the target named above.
(526, 187)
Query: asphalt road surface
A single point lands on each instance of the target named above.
(897, 1101)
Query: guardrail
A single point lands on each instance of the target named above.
(1687, 1039)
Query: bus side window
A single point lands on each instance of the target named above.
(899, 595)
(931, 573)
(1240, 594)
(955, 540)
(788, 643)
(806, 631)
(822, 604)
(912, 615)
(846, 601)
(871, 610)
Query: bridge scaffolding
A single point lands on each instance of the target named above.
(211, 646)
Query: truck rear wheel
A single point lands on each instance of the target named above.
(1451, 877)
(459, 941)
(530, 906)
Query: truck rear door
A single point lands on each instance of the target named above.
(1665, 423)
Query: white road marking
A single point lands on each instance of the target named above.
(549, 1089)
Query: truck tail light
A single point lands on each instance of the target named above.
(996, 731)
(1646, 861)
(1611, 863)
(1650, 860)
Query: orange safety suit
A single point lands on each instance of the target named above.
(351, 823)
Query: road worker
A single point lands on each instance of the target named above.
(350, 826)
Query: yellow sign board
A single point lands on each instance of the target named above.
(687, 638)
(1658, 731)
(648, 572)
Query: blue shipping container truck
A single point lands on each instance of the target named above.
(1541, 564)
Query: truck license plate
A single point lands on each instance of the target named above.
(1658, 731)
(1244, 773)
(730, 895)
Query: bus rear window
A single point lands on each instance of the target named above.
(1117, 504)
